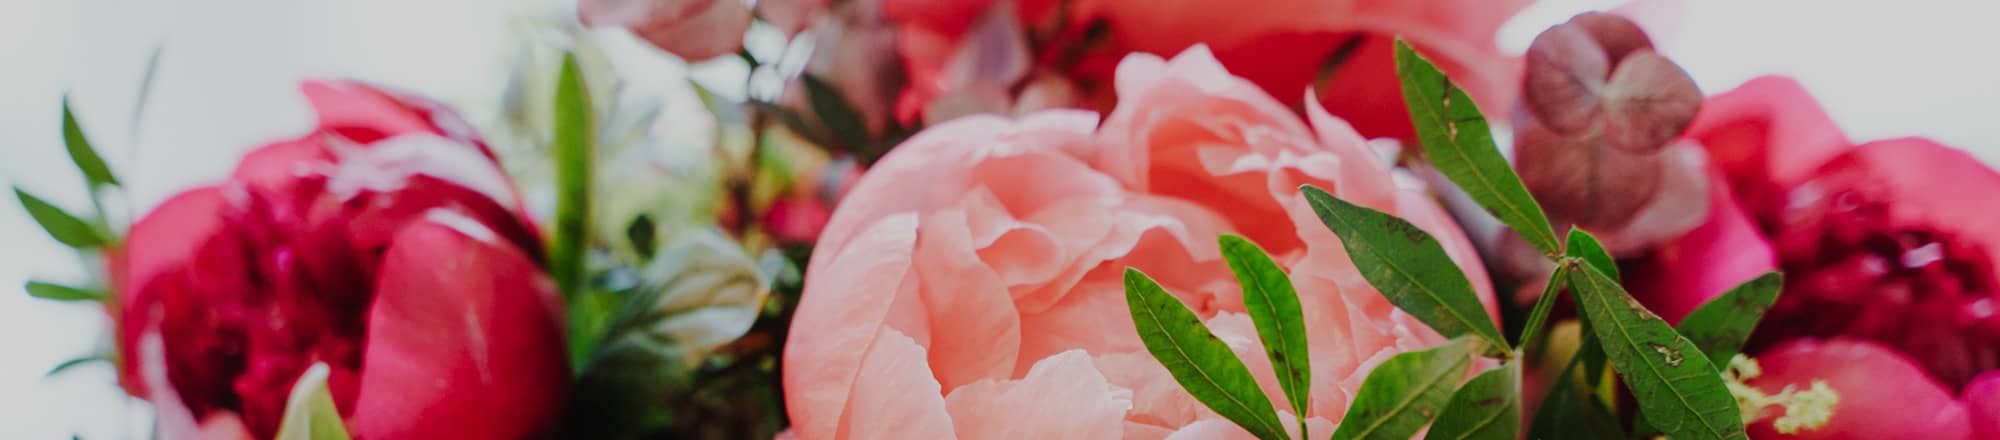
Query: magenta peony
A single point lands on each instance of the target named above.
(386, 244)
(1887, 249)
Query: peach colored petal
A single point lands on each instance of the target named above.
(895, 395)
(837, 319)
(1157, 399)
(1063, 396)
(975, 332)
(938, 158)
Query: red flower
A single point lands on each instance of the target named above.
(1887, 249)
(387, 244)
(1281, 45)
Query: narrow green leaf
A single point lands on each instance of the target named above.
(1459, 143)
(1567, 412)
(1583, 245)
(309, 412)
(834, 110)
(66, 228)
(1540, 316)
(1677, 388)
(1488, 407)
(1721, 326)
(58, 292)
(1407, 265)
(575, 146)
(1274, 306)
(1202, 364)
(82, 153)
(1403, 393)
(73, 363)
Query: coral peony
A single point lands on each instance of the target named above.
(1887, 248)
(386, 244)
(969, 285)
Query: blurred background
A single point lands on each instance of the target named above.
(225, 75)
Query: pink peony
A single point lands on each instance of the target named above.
(387, 244)
(969, 285)
(1887, 249)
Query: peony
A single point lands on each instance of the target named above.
(969, 284)
(1887, 248)
(386, 244)
(1281, 45)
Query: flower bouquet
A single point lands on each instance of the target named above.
(863, 219)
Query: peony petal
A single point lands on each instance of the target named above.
(1882, 394)
(1768, 131)
(839, 316)
(1157, 399)
(466, 339)
(975, 332)
(894, 395)
(1062, 397)
(1982, 398)
(363, 113)
(1683, 274)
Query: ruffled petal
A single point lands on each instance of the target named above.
(1062, 397)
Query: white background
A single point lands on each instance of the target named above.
(227, 81)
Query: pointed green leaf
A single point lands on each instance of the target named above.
(309, 412)
(1721, 326)
(575, 146)
(834, 110)
(1457, 140)
(1274, 306)
(1677, 388)
(73, 363)
(1488, 407)
(1407, 265)
(82, 153)
(1567, 412)
(1583, 245)
(58, 292)
(66, 228)
(1403, 393)
(1202, 364)
(1539, 317)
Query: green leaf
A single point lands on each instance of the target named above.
(1202, 364)
(309, 412)
(1405, 392)
(839, 116)
(1677, 388)
(1583, 245)
(1567, 412)
(82, 153)
(574, 148)
(1274, 306)
(1721, 326)
(1540, 316)
(1408, 266)
(1488, 407)
(73, 363)
(1459, 143)
(58, 292)
(66, 228)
